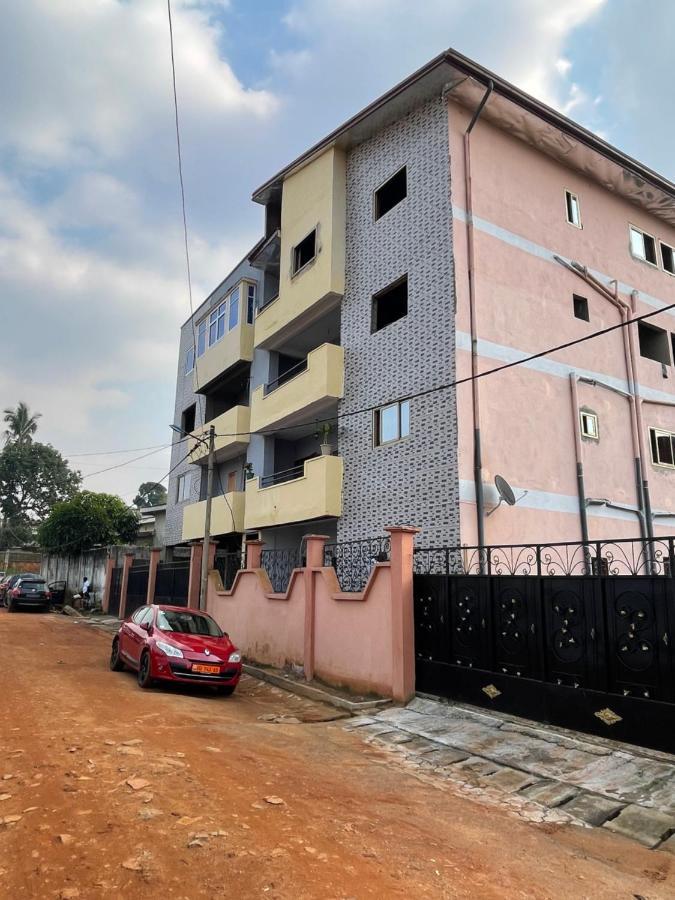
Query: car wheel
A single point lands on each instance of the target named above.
(144, 678)
(116, 663)
(227, 690)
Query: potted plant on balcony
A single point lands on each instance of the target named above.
(248, 471)
(326, 447)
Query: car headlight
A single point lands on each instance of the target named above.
(169, 649)
(235, 657)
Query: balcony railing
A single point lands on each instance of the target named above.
(282, 476)
(286, 376)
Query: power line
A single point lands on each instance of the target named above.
(128, 461)
(110, 452)
(467, 379)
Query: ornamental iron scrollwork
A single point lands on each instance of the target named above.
(353, 561)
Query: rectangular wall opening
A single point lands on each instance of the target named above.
(304, 252)
(390, 304)
(668, 258)
(581, 307)
(654, 343)
(391, 193)
(187, 420)
(642, 245)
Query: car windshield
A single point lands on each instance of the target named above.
(31, 582)
(187, 623)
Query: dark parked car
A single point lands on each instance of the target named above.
(10, 582)
(30, 591)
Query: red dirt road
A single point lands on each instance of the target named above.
(353, 823)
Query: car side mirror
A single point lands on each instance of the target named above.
(146, 626)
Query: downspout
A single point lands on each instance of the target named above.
(578, 454)
(475, 393)
(640, 426)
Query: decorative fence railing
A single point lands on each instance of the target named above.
(228, 564)
(353, 561)
(279, 565)
(171, 585)
(625, 556)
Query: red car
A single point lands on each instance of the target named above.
(172, 643)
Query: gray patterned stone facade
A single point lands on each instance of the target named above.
(413, 481)
(185, 397)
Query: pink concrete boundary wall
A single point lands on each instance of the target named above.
(362, 641)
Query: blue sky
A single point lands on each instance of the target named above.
(92, 276)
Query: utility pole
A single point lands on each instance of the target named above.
(207, 520)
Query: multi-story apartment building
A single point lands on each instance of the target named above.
(454, 226)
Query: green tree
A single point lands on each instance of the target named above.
(21, 424)
(88, 520)
(150, 493)
(33, 477)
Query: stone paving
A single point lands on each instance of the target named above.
(544, 774)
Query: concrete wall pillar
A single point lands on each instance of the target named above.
(195, 574)
(402, 617)
(105, 601)
(212, 555)
(152, 574)
(314, 548)
(253, 554)
(126, 566)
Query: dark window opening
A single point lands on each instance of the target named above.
(390, 304)
(304, 252)
(654, 343)
(668, 258)
(391, 193)
(187, 420)
(581, 307)
(672, 344)
(650, 249)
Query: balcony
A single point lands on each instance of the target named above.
(234, 347)
(304, 392)
(232, 436)
(227, 516)
(313, 203)
(311, 491)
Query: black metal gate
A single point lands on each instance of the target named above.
(580, 639)
(115, 591)
(172, 582)
(137, 586)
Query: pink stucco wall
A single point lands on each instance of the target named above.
(524, 304)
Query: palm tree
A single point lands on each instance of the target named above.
(22, 425)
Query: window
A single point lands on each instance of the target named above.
(667, 258)
(201, 338)
(233, 320)
(573, 209)
(390, 304)
(189, 360)
(391, 423)
(642, 245)
(140, 614)
(183, 489)
(304, 252)
(654, 343)
(391, 193)
(217, 323)
(589, 425)
(250, 304)
(581, 307)
(187, 419)
(663, 447)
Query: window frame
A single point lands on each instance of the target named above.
(377, 296)
(377, 424)
(663, 244)
(654, 434)
(587, 414)
(250, 302)
(644, 234)
(376, 190)
(201, 337)
(190, 368)
(572, 195)
(304, 266)
(183, 479)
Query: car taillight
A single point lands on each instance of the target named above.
(16, 592)
(48, 595)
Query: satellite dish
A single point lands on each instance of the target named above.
(506, 494)
(505, 490)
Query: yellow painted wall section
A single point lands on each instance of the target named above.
(234, 346)
(323, 379)
(313, 197)
(235, 421)
(318, 493)
(222, 521)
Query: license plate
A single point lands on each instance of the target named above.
(206, 670)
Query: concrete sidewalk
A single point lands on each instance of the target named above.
(569, 777)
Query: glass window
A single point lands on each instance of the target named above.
(573, 211)
(234, 309)
(189, 360)
(250, 308)
(201, 338)
(392, 422)
(642, 245)
(663, 452)
(589, 425)
(187, 623)
(221, 320)
(183, 489)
